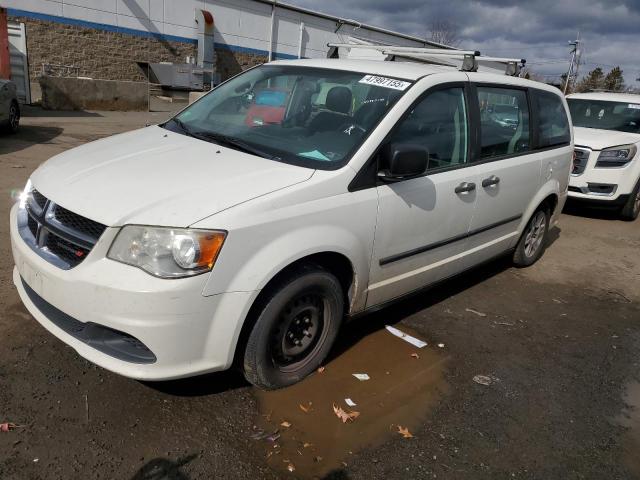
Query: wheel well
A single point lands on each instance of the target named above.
(336, 263)
(551, 202)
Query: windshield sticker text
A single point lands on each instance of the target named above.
(385, 82)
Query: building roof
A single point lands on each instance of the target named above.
(608, 96)
(355, 23)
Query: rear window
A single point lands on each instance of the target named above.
(553, 124)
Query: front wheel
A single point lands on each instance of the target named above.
(14, 117)
(298, 321)
(533, 240)
(631, 210)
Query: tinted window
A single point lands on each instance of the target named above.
(504, 121)
(623, 117)
(553, 125)
(439, 123)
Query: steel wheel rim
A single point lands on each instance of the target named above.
(534, 234)
(301, 330)
(13, 116)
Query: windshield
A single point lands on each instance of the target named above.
(306, 116)
(623, 117)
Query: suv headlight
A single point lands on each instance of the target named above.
(616, 156)
(167, 252)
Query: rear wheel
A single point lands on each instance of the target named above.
(631, 209)
(533, 240)
(298, 321)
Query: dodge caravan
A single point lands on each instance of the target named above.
(247, 227)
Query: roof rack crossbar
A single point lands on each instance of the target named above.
(436, 56)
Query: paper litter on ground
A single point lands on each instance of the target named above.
(407, 338)
(361, 376)
(349, 402)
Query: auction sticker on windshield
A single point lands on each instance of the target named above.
(385, 82)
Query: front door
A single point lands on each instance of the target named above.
(423, 222)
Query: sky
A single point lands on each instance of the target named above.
(538, 30)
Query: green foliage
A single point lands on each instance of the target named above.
(597, 80)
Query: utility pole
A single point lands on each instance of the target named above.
(576, 53)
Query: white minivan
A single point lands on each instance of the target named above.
(298, 193)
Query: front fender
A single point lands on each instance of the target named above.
(261, 265)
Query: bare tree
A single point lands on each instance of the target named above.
(445, 32)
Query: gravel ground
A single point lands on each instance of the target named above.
(559, 342)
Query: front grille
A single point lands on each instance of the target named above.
(32, 223)
(60, 236)
(77, 222)
(72, 254)
(39, 198)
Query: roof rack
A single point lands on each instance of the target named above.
(470, 59)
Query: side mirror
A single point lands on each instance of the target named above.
(403, 161)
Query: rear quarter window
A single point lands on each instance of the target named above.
(553, 126)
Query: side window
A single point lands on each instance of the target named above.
(438, 123)
(553, 125)
(504, 121)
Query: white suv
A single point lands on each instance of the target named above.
(606, 170)
(293, 195)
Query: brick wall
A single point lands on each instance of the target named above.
(101, 54)
(98, 54)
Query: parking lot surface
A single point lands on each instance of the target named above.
(531, 373)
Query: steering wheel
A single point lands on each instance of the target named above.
(350, 128)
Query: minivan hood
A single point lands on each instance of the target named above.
(153, 176)
(597, 139)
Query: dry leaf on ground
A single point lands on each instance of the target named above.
(404, 431)
(306, 408)
(415, 355)
(344, 415)
(285, 424)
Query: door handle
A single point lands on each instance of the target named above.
(489, 182)
(465, 187)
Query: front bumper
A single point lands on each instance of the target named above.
(186, 332)
(602, 186)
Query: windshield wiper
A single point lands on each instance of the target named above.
(223, 140)
(234, 143)
(183, 127)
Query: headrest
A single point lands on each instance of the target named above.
(339, 100)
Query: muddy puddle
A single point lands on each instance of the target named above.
(630, 418)
(307, 437)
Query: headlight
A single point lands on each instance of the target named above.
(24, 195)
(167, 252)
(617, 156)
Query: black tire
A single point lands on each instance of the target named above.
(631, 209)
(13, 123)
(533, 241)
(304, 306)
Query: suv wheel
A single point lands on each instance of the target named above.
(631, 210)
(298, 321)
(14, 117)
(533, 240)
